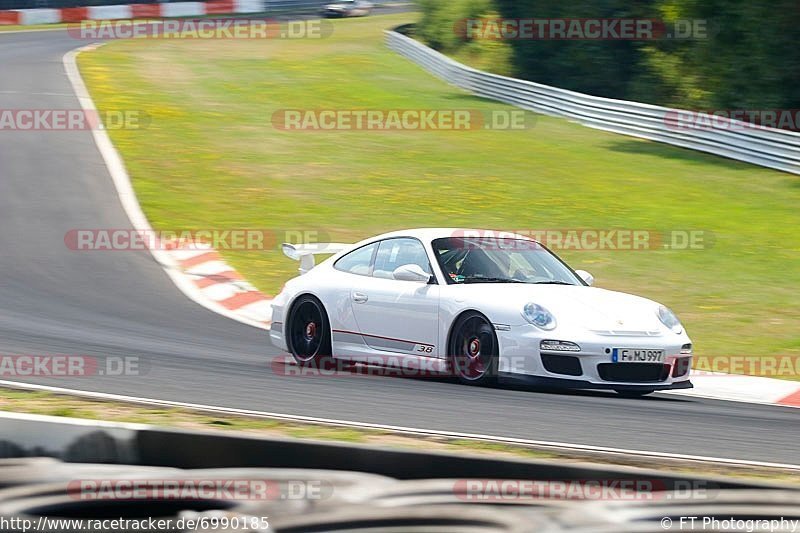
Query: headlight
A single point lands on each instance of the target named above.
(539, 316)
(669, 319)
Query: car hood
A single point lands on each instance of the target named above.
(592, 308)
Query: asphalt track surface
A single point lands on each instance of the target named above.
(57, 301)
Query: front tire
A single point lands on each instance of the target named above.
(473, 350)
(309, 332)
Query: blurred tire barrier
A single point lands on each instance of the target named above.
(448, 492)
(169, 493)
(301, 490)
(351, 501)
(421, 518)
(767, 147)
(298, 485)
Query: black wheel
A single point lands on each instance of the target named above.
(309, 332)
(473, 350)
(633, 393)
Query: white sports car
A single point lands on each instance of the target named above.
(348, 8)
(479, 305)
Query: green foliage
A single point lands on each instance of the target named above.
(442, 27)
(749, 57)
(599, 67)
(439, 25)
(489, 54)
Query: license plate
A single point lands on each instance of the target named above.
(637, 355)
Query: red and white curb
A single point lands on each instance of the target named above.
(205, 278)
(221, 284)
(740, 388)
(27, 17)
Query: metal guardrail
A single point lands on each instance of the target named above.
(766, 147)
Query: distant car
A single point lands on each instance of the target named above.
(478, 305)
(348, 8)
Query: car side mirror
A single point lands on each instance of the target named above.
(585, 276)
(411, 272)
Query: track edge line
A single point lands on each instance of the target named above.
(563, 447)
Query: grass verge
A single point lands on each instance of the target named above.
(33, 27)
(210, 158)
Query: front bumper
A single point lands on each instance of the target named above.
(560, 383)
(592, 367)
(276, 336)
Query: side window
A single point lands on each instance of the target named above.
(393, 253)
(357, 261)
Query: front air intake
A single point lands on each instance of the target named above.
(633, 372)
(562, 364)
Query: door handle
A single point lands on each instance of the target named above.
(360, 297)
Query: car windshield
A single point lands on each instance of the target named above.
(500, 260)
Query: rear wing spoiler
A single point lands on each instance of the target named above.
(305, 252)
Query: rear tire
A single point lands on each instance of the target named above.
(633, 393)
(308, 332)
(473, 350)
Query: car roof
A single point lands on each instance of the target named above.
(428, 234)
